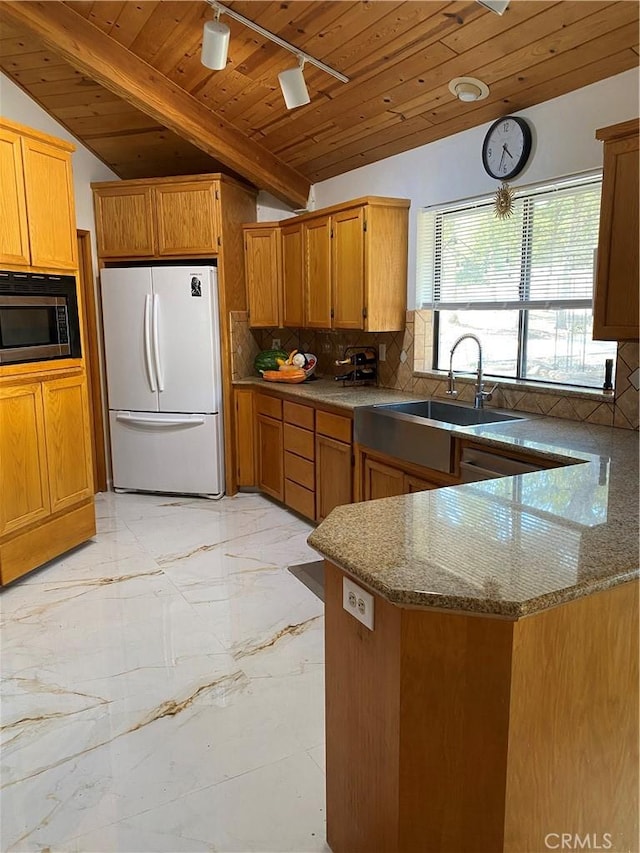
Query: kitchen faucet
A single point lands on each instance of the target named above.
(481, 395)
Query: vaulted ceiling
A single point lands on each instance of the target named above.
(126, 78)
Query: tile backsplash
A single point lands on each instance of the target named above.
(398, 370)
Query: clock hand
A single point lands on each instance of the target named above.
(501, 158)
(507, 150)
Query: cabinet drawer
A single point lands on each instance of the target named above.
(299, 470)
(269, 406)
(333, 426)
(301, 416)
(299, 441)
(300, 499)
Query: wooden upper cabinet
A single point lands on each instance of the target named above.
(345, 267)
(356, 266)
(385, 265)
(14, 236)
(187, 219)
(37, 210)
(68, 440)
(293, 274)
(615, 309)
(124, 221)
(165, 217)
(348, 269)
(50, 204)
(317, 249)
(263, 274)
(24, 492)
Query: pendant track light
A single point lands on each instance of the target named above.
(215, 43)
(497, 6)
(294, 89)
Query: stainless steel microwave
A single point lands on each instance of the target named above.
(38, 317)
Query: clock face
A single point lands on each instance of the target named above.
(506, 148)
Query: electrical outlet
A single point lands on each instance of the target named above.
(382, 352)
(358, 602)
(275, 343)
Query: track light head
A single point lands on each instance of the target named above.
(215, 44)
(294, 88)
(497, 6)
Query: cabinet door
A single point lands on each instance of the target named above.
(615, 311)
(417, 484)
(68, 437)
(14, 235)
(187, 218)
(334, 475)
(124, 222)
(24, 494)
(317, 250)
(381, 481)
(245, 439)
(348, 269)
(50, 202)
(293, 275)
(270, 457)
(263, 275)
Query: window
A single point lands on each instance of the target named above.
(523, 285)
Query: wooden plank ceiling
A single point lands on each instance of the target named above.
(399, 57)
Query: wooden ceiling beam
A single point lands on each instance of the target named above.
(121, 72)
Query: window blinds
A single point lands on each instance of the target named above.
(541, 257)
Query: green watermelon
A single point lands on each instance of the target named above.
(267, 360)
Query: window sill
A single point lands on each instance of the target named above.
(593, 394)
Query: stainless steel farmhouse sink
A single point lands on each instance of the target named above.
(420, 431)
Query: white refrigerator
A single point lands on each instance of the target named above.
(162, 351)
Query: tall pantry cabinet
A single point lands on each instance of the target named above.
(46, 475)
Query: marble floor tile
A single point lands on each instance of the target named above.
(163, 685)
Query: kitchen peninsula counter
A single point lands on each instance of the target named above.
(494, 705)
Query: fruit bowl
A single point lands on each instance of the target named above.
(311, 364)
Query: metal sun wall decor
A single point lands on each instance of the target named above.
(503, 201)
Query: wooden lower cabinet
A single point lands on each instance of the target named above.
(381, 481)
(445, 734)
(334, 475)
(270, 456)
(380, 476)
(46, 471)
(68, 438)
(24, 489)
(245, 437)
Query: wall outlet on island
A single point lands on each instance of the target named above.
(275, 343)
(382, 352)
(358, 602)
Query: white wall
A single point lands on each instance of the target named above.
(451, 168)
(18, 106)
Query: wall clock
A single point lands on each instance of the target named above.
(506, 147)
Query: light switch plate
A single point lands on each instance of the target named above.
(358, 602)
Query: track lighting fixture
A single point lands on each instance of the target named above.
(497, 6)
(215, 43)
(294, 89)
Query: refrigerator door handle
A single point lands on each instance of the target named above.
(147, 341)
(189, 420)
(156, 343)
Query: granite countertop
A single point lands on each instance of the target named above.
(508, 547)
(330, 392)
